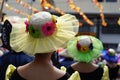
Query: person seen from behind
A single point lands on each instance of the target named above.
(111, 58)
(84, 49)
(43, 34)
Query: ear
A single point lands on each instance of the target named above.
(6, 30)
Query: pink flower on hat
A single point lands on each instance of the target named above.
(27, 25)
(48, 28)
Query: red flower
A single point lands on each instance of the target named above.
(48, 28)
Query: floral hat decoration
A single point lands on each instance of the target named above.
(110, 55)
(84, 48)
(43, 33)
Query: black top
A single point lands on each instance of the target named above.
(16, 76)
(113, 72)
(95, 75)
(14, 58)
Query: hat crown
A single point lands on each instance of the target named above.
(85, 41)
(111, 52)
(84, 44)
(39, 19)
(41, 25)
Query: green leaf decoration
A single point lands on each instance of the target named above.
(35, 33)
